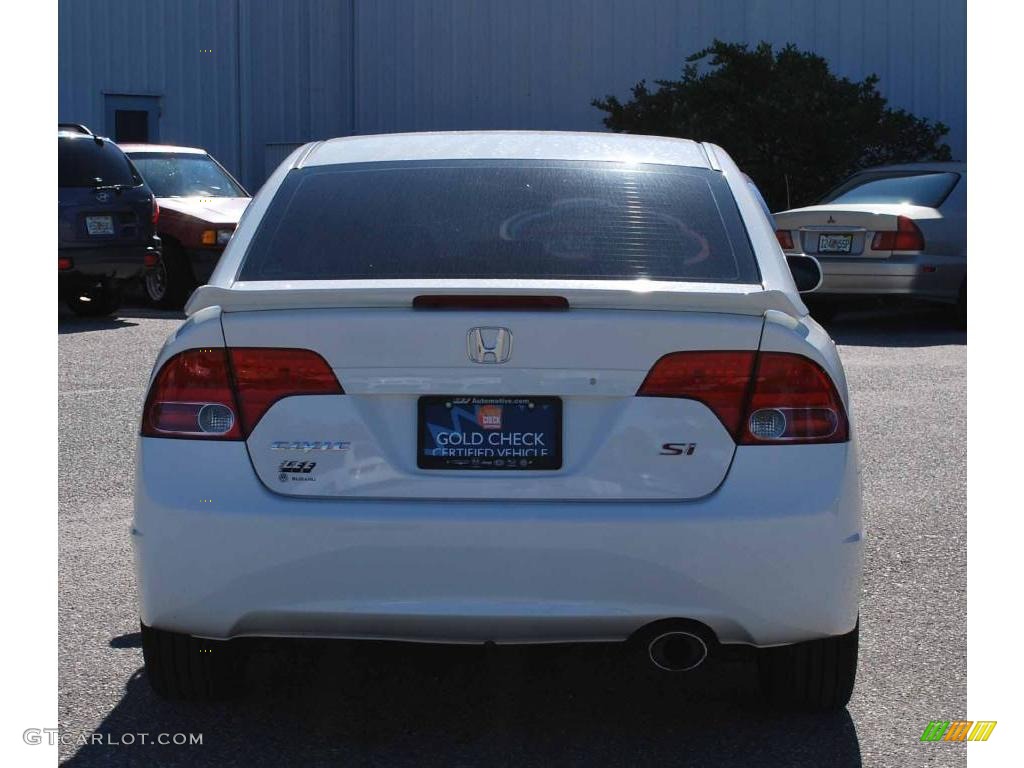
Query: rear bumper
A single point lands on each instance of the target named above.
(922, 275)
(773, 556)
(121, 262)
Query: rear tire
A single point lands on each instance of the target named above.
(189, 668)
(170, 282)
(817, 676)
(99, 301)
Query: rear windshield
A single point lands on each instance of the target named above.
(502, 219)
(85, 163)
(927, 189)
(185, 175)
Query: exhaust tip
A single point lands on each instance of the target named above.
(677, 651)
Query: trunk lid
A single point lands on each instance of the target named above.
(822, 230)
(589, 361)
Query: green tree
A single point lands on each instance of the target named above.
(795, 127)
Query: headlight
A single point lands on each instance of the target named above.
(216, 236)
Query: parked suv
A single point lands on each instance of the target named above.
(201, 204)
(106, 221)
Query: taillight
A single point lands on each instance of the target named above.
(764, 398)
(192, 396)
(221, 394)
(793, 400)
(785, 238)
(907, 237)
(720, 380)
(64, 263)
(156, 211)
(150, 259)
(460, 301)
(264, 376)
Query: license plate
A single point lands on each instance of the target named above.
(100, 225)
(835, 243)
(494, 433)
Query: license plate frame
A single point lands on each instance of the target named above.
(99, 226)
(835, 243)
(507, 416)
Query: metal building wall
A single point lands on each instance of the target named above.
(296, 77)
(287, 71)
(246, 79)
(446, 64)
(153, 48)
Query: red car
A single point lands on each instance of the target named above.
(200, 205)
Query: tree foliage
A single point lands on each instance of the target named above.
(795, 127)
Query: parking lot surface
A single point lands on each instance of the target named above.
(400, 705)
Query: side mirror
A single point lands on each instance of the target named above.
(806, 272)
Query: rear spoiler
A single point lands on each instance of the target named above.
(742, 299)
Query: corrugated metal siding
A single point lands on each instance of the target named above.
(128, 47)
(287, 71)
(538, 63)
(296, 77)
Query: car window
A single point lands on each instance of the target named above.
(84, 162)
(924, 188)
(185, 175)
(501, 219)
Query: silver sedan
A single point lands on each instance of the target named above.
(891, 230)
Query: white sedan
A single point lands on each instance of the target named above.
(502, 386)
(896, 230)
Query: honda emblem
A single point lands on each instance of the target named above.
(489, 345)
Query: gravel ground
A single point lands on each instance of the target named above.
(391, 704)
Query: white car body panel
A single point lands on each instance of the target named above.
(763, 543)
(758, 568)
(506, 145)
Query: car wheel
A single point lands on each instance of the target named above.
(155, 283)
(190, 668)
(170, 282)
(817, 675)
(98, 301)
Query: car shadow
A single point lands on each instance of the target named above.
(68, 322)
(72, 324)
(908, 326)
(320, 703)
(151, 313)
